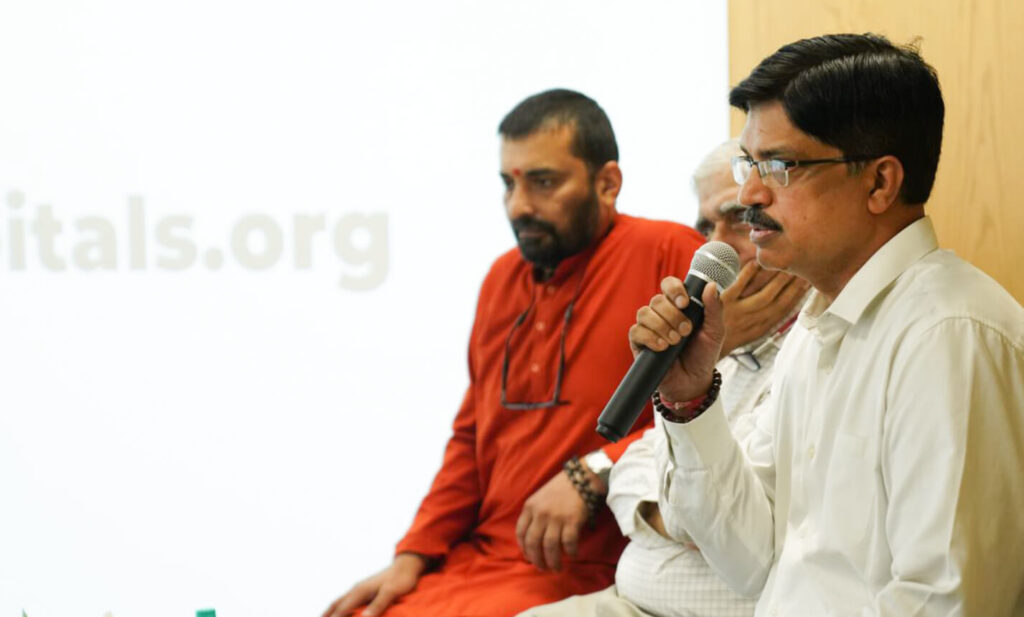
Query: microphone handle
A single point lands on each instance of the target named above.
(649, 368)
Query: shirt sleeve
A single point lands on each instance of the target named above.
(634, 480)
(451, 508)
(720, 492)
(952, 455)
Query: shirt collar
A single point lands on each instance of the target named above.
(885, 266)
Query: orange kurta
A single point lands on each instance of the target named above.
(497, 457)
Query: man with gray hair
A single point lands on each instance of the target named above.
(660, 575)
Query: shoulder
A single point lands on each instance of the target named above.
(657, 231)
(507, 266)
(942, 289)
(637, 236)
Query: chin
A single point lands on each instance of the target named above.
(539, 258)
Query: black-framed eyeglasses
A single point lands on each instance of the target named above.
(778, 169)
(556, 398)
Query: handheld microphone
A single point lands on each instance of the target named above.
(715, 262)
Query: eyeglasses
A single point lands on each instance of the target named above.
(778, 169)
(556, 398)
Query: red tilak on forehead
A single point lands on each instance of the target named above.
(517, 172)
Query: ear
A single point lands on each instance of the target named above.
(886, 177)
(608, 183)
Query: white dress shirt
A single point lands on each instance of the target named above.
(885, 474)
(670, 578)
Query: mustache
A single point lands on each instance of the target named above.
(756, 217)
(531, 223)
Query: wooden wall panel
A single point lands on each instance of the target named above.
(977, 47)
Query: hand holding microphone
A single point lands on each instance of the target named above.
(669, 345)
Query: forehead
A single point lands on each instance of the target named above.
(548, 147)
(769, 132)
(716, 191)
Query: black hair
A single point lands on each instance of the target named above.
(593, 139)
(861, 94)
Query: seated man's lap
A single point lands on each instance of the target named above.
(604, 603)
(470, 584)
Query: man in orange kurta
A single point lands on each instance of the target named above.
(503, 528)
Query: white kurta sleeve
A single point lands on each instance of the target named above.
(721, 497)
(634, 480)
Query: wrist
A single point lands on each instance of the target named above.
(413, 563)
(581, 481)
(681, 412)
(694, 390)
(598, 467)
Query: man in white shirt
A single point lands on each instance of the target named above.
(884, 475)
(658, 575)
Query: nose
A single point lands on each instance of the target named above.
(719, 232)
(753, 192)
(518, 202)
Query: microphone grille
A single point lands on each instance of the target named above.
(717, 262)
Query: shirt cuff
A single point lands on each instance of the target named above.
(648, 537)
(625, 506)
(701, 442)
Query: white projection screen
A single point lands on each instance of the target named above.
(240, 247)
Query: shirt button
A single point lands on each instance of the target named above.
(535, 367)
(810, 452)
(540, 326)
(550, 289)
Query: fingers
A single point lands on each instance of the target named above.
(673, 288)
(793, 293)
(552, 545)
(521, 526)
(335, 610)
(544, 542)
(571, 539)
(532, 544)
(767, 294)
(385, 597)
(747, 274)
(651, 331)
(672, 315)
(714, 322)
(357, 596)
(660, 324)
(776, 299)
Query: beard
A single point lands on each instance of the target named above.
(540, 242)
